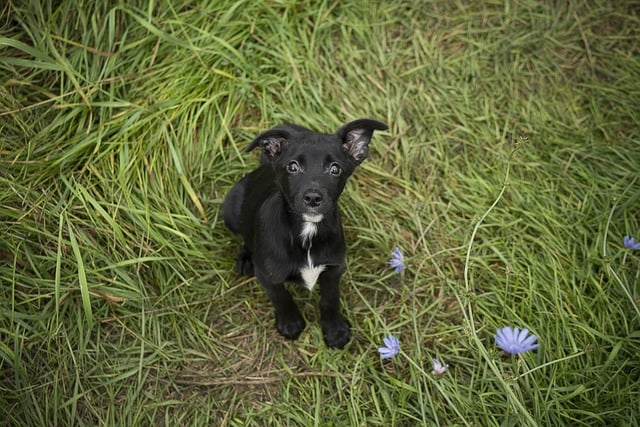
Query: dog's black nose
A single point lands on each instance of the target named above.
(312, 198)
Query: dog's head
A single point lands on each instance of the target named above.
(312, 168)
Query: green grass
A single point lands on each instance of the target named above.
(508, 177)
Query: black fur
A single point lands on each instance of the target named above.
(286, 212)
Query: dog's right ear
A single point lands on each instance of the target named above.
(272, 142)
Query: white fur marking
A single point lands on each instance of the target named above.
(311, 272)
(312, 218)
(309, 228)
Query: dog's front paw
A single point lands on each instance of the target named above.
(290, 324)
(335, 330)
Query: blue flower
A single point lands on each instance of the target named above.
(630, 243)
(514, 341)
(397, 260)
(439, 368)
(392, 347)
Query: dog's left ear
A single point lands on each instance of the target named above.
(272, 142)
(356, 135)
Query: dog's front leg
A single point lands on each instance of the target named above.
(335, 328)
(289, 321)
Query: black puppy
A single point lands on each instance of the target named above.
(287, 213)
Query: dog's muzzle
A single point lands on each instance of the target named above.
(314, 218)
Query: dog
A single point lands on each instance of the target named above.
(287, 214)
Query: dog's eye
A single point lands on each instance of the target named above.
(293, 167)
(335, 169)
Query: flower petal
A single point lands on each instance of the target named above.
(502, 333)
(514, 334)
(397, 254)
(390, 341)
(385, 353)
(502, 340)
(530, 340)
(439, 368)
(507, 334)
(522, 335)
(630, 242)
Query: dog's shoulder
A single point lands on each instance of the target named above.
(256, 189)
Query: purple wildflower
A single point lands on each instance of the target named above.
(439, 368)
(397, 260)
(514, 341)
(630, 243)
(392, 347)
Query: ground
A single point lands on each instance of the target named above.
(508, 179)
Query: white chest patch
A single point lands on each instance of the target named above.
(310, 272)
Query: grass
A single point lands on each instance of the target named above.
(508, 178)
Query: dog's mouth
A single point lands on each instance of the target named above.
(314, 218)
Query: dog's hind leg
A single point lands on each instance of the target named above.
(244, 263)
(232, 206)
